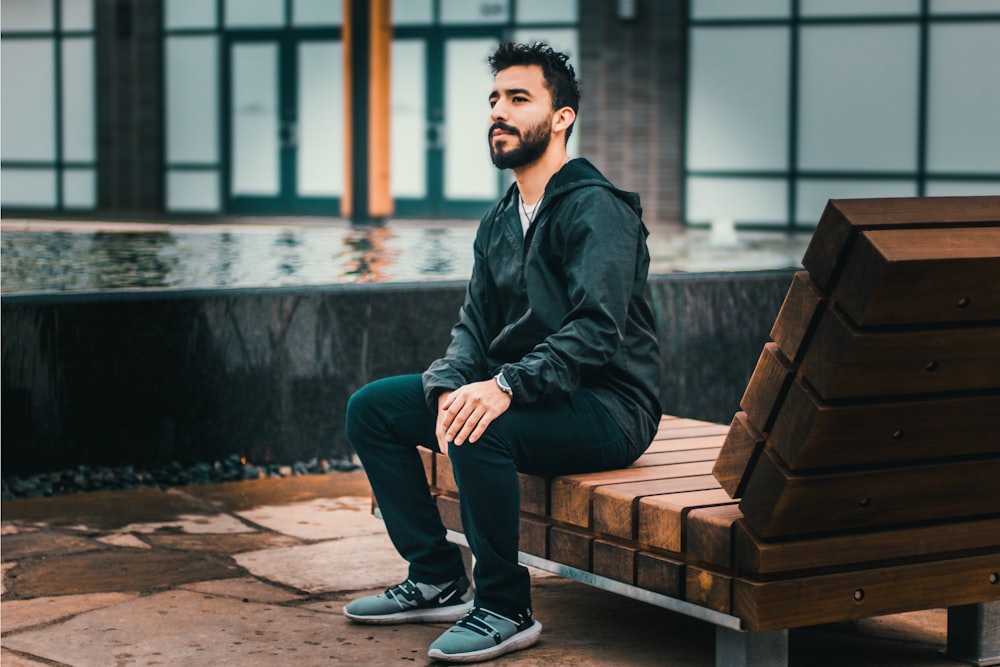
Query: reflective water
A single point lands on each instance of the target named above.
(59, 256)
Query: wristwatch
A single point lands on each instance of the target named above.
(503, 384)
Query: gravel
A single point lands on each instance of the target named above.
(98, 478)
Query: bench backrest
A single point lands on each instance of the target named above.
(878, 403)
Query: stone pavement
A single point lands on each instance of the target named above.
(255, 573)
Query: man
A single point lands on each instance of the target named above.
(553, 369)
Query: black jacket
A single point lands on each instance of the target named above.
(563, 306)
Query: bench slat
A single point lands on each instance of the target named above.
(918, 276)
(780, 503)
(843, 219)
(663, 518)
(614, 561)
(660, 574)
(843, 362)
(760, 557)
(571, 495)
(798, 316)
(808, 433)
(793, 603)
(709, 533)
(616, 507)
(739, 452)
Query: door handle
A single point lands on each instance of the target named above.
(289, 135)
(435, 136)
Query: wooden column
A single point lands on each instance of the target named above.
(367, 49)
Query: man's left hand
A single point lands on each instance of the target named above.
(464, 414)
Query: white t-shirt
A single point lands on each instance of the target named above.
(527, 213)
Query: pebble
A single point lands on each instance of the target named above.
(98, 478)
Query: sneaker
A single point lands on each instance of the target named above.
(414, 602)
(484, 635)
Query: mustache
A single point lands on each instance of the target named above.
(503, 127)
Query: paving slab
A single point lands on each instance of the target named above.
(246, 589)
(19, 614)
(47, 543)
(11, 659)
(225, 544)
(117, 570)
(319, 519)
(187, 628)
(106, 510)
(239, 496)
(359, 563)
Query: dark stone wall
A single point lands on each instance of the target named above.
(153, 377)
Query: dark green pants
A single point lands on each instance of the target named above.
(388, 418)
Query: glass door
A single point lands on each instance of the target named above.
(284, 122)
(440, 115)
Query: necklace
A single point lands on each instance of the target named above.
(534, 209)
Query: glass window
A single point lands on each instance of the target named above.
(255, 13)
(964, 98)
(727, 9)
(27, 16)
(812, 195)
(318, 12)
(28, 188)
(475, 11)
(78, 116)
(942, 188)
(965, 7)
(408, 176)
(254, 117)
(79, 188)
(412, 12)
(742, 200)
(857, 105)
(27, 131)
(321, 119)
(738, 99)
(192, 99)
(195, 191)
(854, 8)
(77, 15)
(550, 11)
(469, 173)
(181, 14)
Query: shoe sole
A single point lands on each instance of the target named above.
(516, 642)
(448, 614)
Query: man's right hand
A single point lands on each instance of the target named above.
(464, 414)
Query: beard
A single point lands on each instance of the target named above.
(534, 142)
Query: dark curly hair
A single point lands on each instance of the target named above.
(560, 79)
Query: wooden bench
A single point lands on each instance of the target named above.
(861, 476)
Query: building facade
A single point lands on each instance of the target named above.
(754, 112)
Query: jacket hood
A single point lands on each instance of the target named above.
(575, 174)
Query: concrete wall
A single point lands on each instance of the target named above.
(159, 376)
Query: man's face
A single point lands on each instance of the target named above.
(521, 117)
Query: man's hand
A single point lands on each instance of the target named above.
(464, 414)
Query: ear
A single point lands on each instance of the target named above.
(562, 119)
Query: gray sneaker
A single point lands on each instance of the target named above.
(484, 635)
(413, 602)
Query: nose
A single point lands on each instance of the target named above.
(498, 112)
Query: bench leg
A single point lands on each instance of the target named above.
(734, 648)
(974, 633)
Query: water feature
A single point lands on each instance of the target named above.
(78, 256)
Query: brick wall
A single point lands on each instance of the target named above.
(129, 106)
(631, 111)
